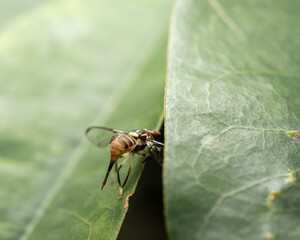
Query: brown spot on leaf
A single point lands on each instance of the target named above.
(292, 134)
(272, 197)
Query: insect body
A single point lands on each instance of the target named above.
(125, 145)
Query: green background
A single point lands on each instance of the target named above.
(67, 65)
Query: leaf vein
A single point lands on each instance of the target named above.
(234, 192)
(226, 19)
(76, 215)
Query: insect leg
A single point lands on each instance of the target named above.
(146, 155)
(129, 170)
(116, 167)
(118, 170)
(157, 153)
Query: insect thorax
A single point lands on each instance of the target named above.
(140, 136)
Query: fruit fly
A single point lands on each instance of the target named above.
(126, 145)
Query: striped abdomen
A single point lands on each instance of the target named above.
(121, 144)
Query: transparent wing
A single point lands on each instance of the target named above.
(101, 136)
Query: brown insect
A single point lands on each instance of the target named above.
(142, 142)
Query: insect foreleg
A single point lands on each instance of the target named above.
(144, 154)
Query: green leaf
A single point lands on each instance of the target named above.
(67, 65)
(232, 121)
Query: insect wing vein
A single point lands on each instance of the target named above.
(101, 136)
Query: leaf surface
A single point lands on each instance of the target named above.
(67, 65)
(232, 121)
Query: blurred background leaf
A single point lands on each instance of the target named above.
(66, 65)
(232, 121)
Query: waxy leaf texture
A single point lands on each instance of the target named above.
(232, 155)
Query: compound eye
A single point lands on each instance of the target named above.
(155, 132)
